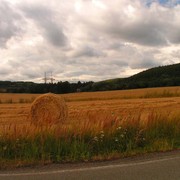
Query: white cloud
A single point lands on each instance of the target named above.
(86, 39)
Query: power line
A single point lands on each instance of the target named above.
(46, 78)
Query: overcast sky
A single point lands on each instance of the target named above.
(86, 39)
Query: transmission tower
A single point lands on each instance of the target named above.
(51, 79)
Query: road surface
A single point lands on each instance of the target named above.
(158, 166)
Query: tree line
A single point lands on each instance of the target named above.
(30, 87)
(155, 77)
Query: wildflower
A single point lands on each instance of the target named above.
(122, 135)
(95, 138)
(119, 128)
(4, 148)
(116, 139)
(101, 134)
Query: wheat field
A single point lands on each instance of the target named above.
(99, 126)
(14, 108)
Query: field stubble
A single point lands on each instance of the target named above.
(94, 106)
(116, 124)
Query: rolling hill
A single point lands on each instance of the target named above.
(155, 77)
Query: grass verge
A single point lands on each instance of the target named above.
(87, 142)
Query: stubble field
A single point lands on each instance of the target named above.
(100, 125)
(14, 108)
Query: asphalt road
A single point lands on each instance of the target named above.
(158, 166)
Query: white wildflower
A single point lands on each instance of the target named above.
(116, 139)
(95, 138)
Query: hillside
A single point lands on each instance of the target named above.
(155, 77)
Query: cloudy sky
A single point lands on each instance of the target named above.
(86, 39)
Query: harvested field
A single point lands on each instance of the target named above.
(100, 104)
(100, 125)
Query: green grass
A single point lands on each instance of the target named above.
(160, 133)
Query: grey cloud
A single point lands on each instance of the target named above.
(44, 18)
(137, 58)
(29, 75)
(104, 70)
(144, 63)
(176, 54)
(144, 32)
(74, 74)
(148, 26)
(115, 46)
(144, 35)
(174, 35)
(10, 23)
(118, 62)
(87, 51)
(101, 69)
(87, 43)
(5, 71)
(55, 35)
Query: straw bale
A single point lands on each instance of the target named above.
(48, 109)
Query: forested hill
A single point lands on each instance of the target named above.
(162, 72)
(154, 77)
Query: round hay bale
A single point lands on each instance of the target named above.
(48, 109)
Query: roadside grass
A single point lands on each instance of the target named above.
(90, 140)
